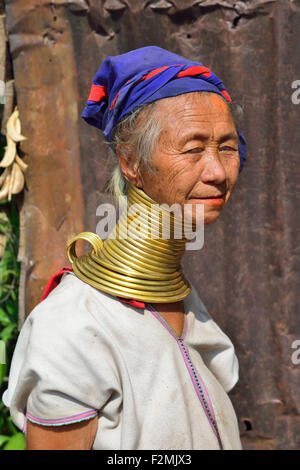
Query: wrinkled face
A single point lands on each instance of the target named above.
(196, 160)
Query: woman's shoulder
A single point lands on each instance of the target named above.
(72, 304)
(55, 367)
(64, 325)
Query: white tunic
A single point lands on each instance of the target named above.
(82, 353)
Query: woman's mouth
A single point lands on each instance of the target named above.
(213, 201)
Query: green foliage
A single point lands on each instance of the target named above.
(10, 437)
(16, 442)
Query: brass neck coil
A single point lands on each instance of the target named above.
(139, 260)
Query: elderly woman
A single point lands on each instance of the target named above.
(122, 354)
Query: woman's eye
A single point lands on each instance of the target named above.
(228, 149)
(195, 150)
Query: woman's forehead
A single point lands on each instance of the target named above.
(187, 114)
(196, 101)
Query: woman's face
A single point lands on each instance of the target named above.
(196, 159)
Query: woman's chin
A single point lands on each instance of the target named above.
(210, 221)
(206, 216)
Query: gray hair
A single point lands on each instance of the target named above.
(137, 134)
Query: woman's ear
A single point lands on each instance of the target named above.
(129, 167)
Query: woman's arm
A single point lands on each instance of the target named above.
(77, 436)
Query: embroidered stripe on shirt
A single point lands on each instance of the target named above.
(200, 391)
(199, 386)
(59, 421)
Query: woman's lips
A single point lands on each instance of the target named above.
(213, 201)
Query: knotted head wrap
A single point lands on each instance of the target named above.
(128, 81)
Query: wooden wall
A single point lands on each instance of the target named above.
(246, 274)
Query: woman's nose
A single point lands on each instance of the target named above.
(213, 170)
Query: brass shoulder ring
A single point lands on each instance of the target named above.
(90, 237)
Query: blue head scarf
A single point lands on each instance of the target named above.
(128, 81)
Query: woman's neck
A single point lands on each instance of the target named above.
(141, 257)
